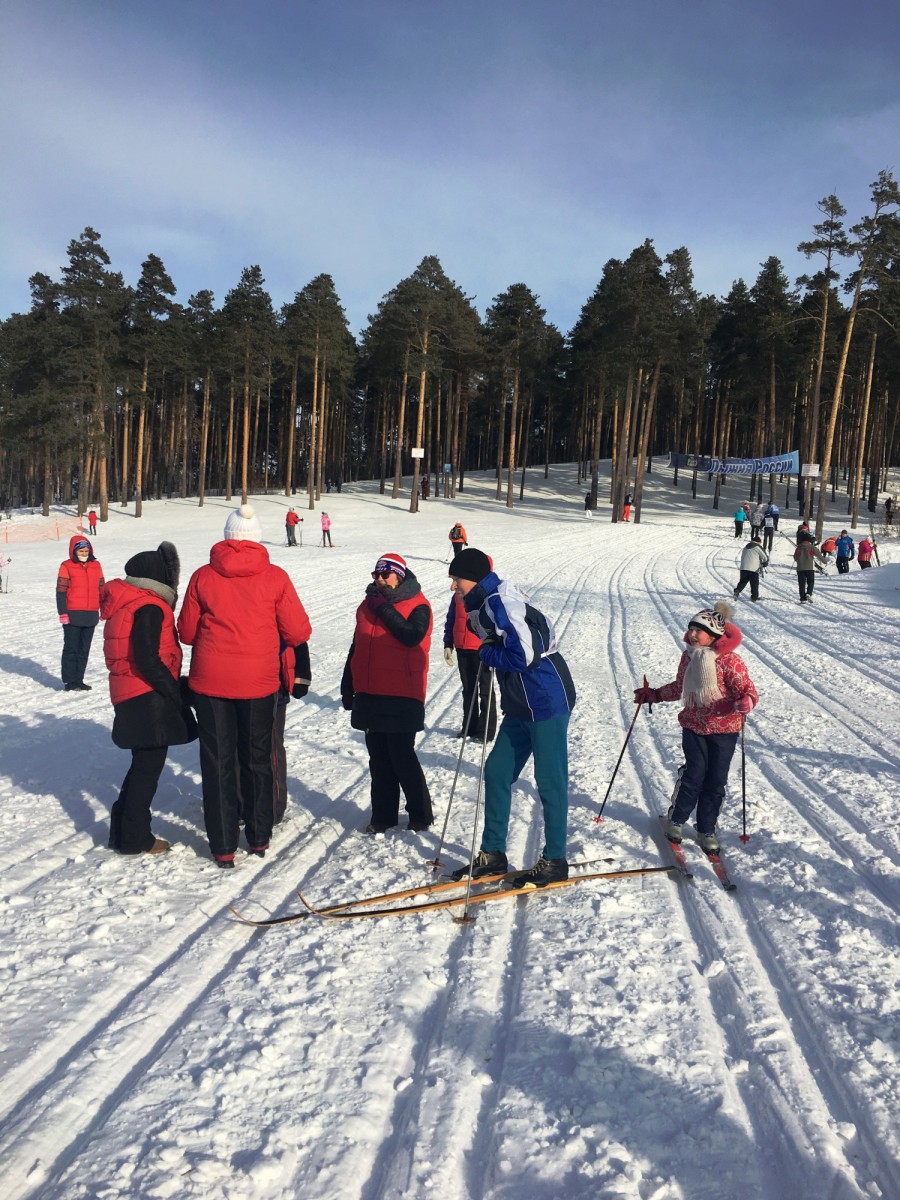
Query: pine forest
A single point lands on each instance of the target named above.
(111, 392)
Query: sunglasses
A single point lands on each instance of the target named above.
(381, 574)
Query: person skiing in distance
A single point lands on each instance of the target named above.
(740, 516)
(805, 556)
(802, 528)
(78, 584)
(458, 539)
(718, 693)
(889, 510)
(626, 509)
(768, 532)
(291, 521)
(92, 523)
(773, 511)
(844, 552)
(143, 656)
(475, 679)
(588, 504)
(425, 487)
(864, 553)
(326, 529)
(237, 611)
(753, 560)
(537, 695)
(757, 516)
(383, 688)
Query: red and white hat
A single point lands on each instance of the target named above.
(391, 562)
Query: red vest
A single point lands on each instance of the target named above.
(125, 682)
(463, 637)
(83, 592)
(381, 665)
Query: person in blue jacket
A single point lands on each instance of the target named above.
(844, 552)
(773, 511)
(536, 696)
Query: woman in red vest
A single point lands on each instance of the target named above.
(143, 655)
(383, 686)
(78, 584)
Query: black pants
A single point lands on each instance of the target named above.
(484, 714)
(768, 538)
(863, 563)
(739, 529)
(806, 581)
(326, 533)
(843, 565)
(236, 737)
(279, 763)
(393, 765)
(76, 648)
(93, 529)
(751, 577)
(129, 821)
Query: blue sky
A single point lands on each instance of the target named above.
(517, 140)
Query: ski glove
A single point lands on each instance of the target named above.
(347, 700)
(300, 689)
(375, 601)
(63, 618)
(646, 695)
(448, 655)
(743, 704)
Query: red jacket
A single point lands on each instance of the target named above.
(292, 519)
(381, 665)
(121, 600)
(236, 613)
(456, 628)
(733, 679)
(78, 586)
(460, 536)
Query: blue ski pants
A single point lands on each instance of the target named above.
(517, 741)
(707, 758)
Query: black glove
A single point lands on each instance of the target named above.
(299, 690)
(187, 696)
(347, 700)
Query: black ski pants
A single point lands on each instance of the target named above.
(843, 565)
(751, 577)
(129, 822)
(236, 739)
(484, 714)
(806, 582)
(76, 648)
(702, 779)
(393, 765)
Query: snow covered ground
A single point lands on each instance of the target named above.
(643, 1037)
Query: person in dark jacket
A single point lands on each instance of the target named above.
(78, 584)
(537, 695)
(477, 692)
(143, 656)
(237, 612)
(806, 556)
(383, 687)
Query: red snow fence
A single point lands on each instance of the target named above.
(33, 527)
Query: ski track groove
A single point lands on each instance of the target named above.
(764, 996)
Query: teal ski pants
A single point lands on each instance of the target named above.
(517, 741)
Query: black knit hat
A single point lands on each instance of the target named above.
(470, 564)
(161, 565)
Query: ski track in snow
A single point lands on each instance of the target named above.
(647, 1037)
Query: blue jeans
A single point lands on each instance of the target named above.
(703, 777)
(517, 741)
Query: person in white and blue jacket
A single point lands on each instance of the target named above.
(536, 696)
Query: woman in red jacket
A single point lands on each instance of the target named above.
(144, 660)
(383, 686)
(78, 584)
(237, 613)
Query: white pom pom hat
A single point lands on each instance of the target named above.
(243, 525)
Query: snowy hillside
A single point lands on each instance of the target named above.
(643, 1037)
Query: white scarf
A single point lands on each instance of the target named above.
(700, 686)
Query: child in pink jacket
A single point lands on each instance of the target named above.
(326, 528)
(718, 693)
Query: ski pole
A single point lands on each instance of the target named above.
(466, 919)
(599, 816)
(745, 836)
(436, 861)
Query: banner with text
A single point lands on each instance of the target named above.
(779, 464)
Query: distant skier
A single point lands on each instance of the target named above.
(92, 523)
(828, 547)
(291, 521)
(326, 529)
(889, 510)
(626, 511)
(718, 693)
(844, 552)
(458, 538)
(768, 531)
(425, 487)
(773, 511)
(806, 556)
(753, 560)
(588, 504)
(740, 516)
(757, 517)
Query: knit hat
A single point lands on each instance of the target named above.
(391, 562)
(712, 619)
(470, 564)
(243, 525)
(160, 564)
(81, 544)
